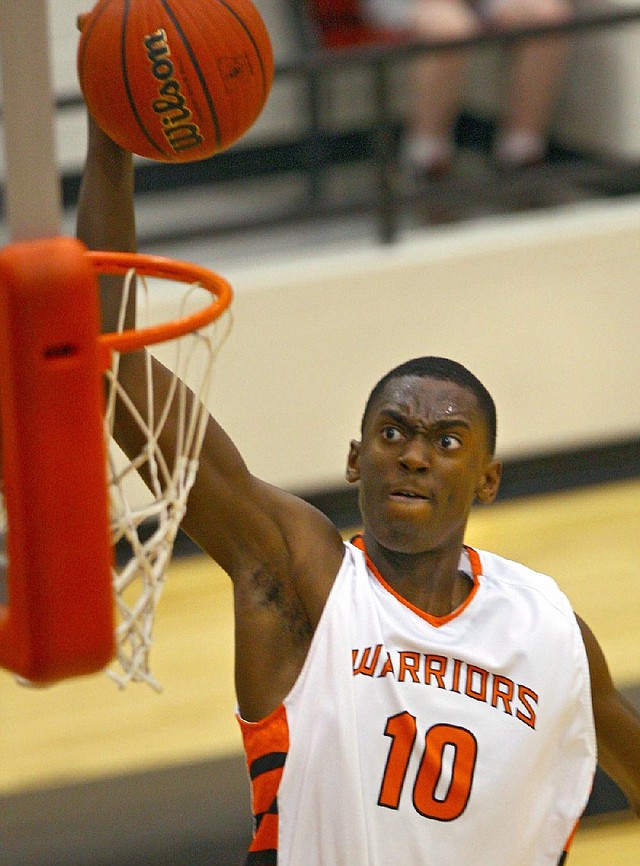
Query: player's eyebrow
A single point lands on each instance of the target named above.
(398, 417)
(441, 424)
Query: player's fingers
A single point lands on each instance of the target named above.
(81, 20)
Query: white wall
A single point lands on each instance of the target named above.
(543, 308)
(598, 110)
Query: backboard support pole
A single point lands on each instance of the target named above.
(33, 194)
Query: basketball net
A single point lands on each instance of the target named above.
(55, 516)
(144, 528)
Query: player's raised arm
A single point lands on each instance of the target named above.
(106, 218)
(239, 520)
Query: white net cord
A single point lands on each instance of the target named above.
(146, 530)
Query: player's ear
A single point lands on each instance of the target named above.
(487, 488)
(353, 462)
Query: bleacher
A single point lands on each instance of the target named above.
(337, 101)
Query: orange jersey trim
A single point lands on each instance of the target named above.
(569, 841)
(436, 621)
(266, 745)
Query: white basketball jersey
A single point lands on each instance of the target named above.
(410, 740)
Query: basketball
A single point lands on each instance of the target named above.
(175, 80)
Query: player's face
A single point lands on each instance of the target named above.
(422, 462)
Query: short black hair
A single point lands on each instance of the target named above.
(430, 367)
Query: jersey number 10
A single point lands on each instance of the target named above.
(445, 775)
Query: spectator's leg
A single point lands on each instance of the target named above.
(535, 73)
(436, 81)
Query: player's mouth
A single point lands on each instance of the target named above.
(405, 494)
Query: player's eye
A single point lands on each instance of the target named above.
(391, 433)
(449, 442)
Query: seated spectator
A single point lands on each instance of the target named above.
(535, 70)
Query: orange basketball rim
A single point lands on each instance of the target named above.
(59, 619)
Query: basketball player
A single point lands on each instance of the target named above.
(403, 698)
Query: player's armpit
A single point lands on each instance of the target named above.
(617, 724)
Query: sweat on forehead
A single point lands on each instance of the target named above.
(444, 370)
(426, 396)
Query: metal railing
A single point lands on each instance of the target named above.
(381, 59)
(312, 63)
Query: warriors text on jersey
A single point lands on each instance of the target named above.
(410, 739)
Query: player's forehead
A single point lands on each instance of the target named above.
(427, 400)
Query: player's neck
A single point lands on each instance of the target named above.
(431, 581)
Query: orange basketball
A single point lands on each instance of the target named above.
(175, 80)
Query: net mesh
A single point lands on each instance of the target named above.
(145, 522)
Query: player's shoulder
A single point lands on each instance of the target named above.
(507, 573)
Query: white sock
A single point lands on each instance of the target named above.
(519, 147)
(424, 151)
